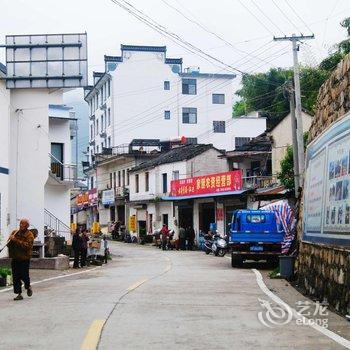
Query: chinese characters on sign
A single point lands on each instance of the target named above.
(327, 186)
(213, 183)
(87, 198)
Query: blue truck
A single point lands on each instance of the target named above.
(254, 235)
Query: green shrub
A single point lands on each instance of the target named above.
(4, 272)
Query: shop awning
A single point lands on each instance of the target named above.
(207, 195)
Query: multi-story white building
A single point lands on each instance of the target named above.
(35, 159)
(144, 94)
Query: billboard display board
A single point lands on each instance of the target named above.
(212, 183)
(327, 187)
(46, 61)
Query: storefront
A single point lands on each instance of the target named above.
(201, 201)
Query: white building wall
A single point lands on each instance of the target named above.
(4, 162)
(138, 102)
(59, 132)
(206, 163)
(57, 201)
(282, 138)
(29, 148)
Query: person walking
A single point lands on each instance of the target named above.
(191, 236)
(84, 246)
(20, 246)
(182, 238)
(106, 248)
(76, 246)
(165, 234)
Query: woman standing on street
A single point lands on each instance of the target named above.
(84, 247)
(76, 246)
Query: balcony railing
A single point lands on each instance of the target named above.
(63, 172)
(259, 181)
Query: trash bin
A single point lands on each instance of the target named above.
(287, 266)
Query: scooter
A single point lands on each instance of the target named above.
(215, 244)
(208, 243)
(219, 246)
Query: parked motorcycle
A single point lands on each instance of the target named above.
(215, 244)
(219, 246)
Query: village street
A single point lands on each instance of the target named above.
(150, 299)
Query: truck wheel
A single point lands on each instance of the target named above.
(236, 261)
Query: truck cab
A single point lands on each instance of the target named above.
(254, 235)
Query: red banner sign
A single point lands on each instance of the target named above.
(212, 183)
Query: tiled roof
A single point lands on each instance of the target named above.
(113, 58)
(177, 154)
(207, 75)
(173, 60)
(143, 48)
(259, 143)
(3, 68)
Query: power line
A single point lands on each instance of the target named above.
(300, 18)
(283, 13)
(206, 29)
(257, 18)
(172, 36)
(268, 18)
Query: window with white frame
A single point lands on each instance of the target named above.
(102, 122)
(108, 88)
(189, 86)
(189, 115)
(96, 129)
(219, 126)
(109, 142)
(176, 175)
(167, 115)
(218, 99)
(91, 131)
(109, 116)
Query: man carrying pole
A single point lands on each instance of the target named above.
(20, 246)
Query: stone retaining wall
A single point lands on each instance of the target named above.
(324, 271)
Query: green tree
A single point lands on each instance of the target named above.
(263, 92)
(286, 175)
(239, 108)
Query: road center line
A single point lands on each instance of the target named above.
(54, 278)
(137, 284)
(337, 338)
(93, 335)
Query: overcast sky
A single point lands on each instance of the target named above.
(243, 26)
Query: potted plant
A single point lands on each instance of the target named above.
(4, 272)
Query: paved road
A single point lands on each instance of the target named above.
(151, 299)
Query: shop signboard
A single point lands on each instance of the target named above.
(327, 187)
(207, 184)
(108, 197)
(132, 223)
(87, 198)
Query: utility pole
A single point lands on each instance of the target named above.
(290, 94)
(300, 136)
